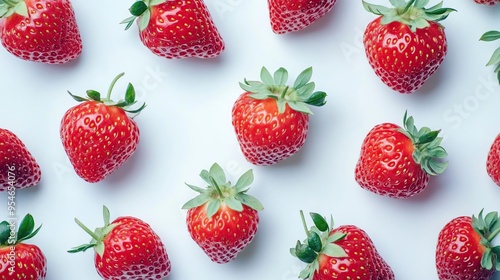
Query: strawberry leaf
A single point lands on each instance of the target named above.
(305, 253)
(138, 8)
(94, 95)
(130, 94)
(144, 20)
(495, 58)
(490, 36)
(244, 181)
(212, 207)
(303, 78)
(300, 107)
(250, 201)
(333, 250)
(314, 241)
(281, 77)
(196, 201)
(217, 174)
(4, 232)
(319, 221)
(266, 77)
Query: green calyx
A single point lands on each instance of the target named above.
(412, 13)
(490, 36)
(428, 152)
(10, 7)
(97, 235)
(274, 86)
(488, 228)
(220, 191)
(318, 241)
(125, 104)
(141, 10)
(10, 237)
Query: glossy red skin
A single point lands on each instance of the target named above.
(487, 2)
(132, 251)
(459, 252)
(182, 29)
(386, 166)
(289, 16)
(266, 137)
(98, 139)
(224, 235)
(30, 262)
(17, 164)
(493, 161)
(402, 59)
(362, 262)
(50, 34)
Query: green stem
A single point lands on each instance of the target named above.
(493, 235)
(87, 230)
(284, 92)
(408, 6)
(108, 96)
(217, 187)
(304, 222)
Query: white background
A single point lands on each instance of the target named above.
(187, 127)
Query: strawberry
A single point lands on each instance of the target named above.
(487, 2)
(19, 260)
(271, 119)
(495, 58)
(289, 16)
(345, 252)
(398, 162)
(18, 167)
(223, 219)
(405, 45)
(176, 29)
(464, 249)
(40, 30)
(126, 248)
(493, 161)
(98, 135)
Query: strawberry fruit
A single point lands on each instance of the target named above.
(40, 30)
(126, 248)
(18, 167)
(176, 29)
(98, 135)
(223, 219)
(19, 260)
(464, 248)
(487, 2)
(490, 36)
(398, 162)
(271, 119)
(493, 161)
(294, 15)
(345, 252)
(406, 44)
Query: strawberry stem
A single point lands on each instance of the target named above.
(108, 96)
(217, 187)
(304, 222)
(87, 230)
(283, 94)
(493, 235)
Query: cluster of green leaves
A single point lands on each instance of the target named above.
(490, 36)
(141, 10)
(275, 86)
(412, 13)
(318, 241)
(488, 228)
(428, 151)
(219, 191)
(8, 235)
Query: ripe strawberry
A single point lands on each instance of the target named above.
(493, 161)
(345, 252)
(495, 58)
(289, 16)
(126, 248)
(405, 45)
(271, 119)
(98, 135)
(464, 249)
(40, 30)
(19, 260)
(487, 2)
(176, 29)
(18, 167)
(223, 219)
(398, 162)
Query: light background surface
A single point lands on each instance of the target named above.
(187, 127)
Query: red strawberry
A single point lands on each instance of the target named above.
(176, 29)
(345, 252)
(405, 45)
(288, 16)
(490, 36)
(126, 248)
(98, 134)
(223, 219)
(19, 260)
(18, 167)
(493, 161)
(271, 119)
(398, 162)
(464, 249)
(40, 30)
(487, 2)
